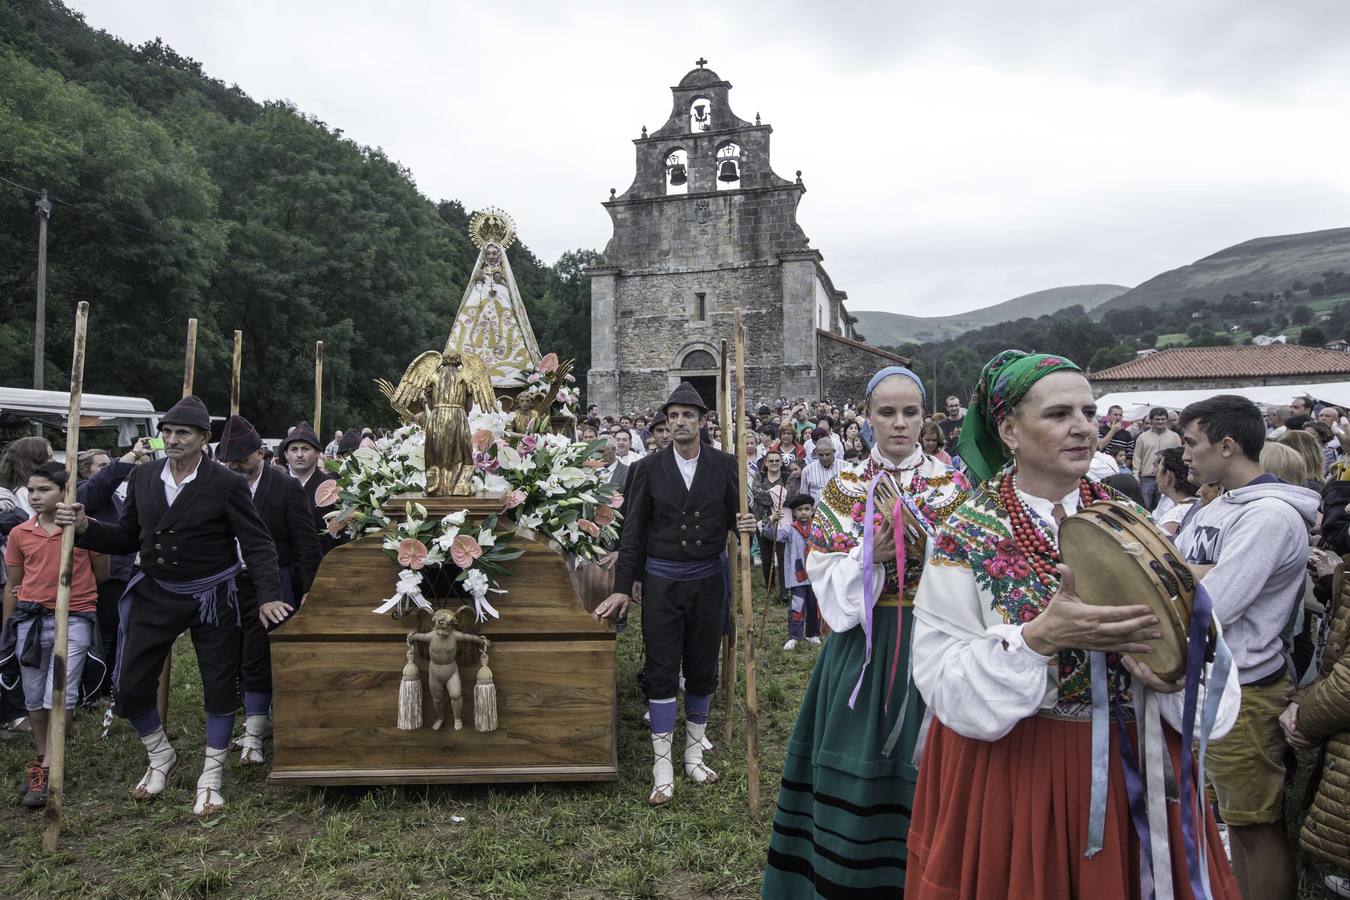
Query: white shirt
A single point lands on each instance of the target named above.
(976, 672)
(303, 481)
(171, 488)
(815, 476)
(687, 469)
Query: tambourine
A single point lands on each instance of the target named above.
(885, 498)
(1119, 559)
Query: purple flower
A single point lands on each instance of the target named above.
(484, 462)
(528, 444)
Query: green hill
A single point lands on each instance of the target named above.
(884, 328)
(1259, 266)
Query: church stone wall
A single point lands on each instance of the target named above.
(846, 367)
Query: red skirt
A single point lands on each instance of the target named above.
(1008, 818)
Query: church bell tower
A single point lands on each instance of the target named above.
(705, 227)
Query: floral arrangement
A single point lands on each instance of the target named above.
(552, 487)
(478, 551)
(551, 484)
(537, 379)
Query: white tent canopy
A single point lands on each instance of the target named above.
(1136, 404)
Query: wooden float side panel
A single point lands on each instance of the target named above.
(335, 705)
(354, 578)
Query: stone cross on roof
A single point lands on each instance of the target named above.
(701, 62)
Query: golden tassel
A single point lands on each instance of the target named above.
(410, 695)
(484, 697)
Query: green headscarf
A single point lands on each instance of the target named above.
(1003, 382)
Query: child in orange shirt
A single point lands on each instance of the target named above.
(33, 561)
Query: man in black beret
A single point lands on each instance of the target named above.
(191, 520)
(303, 459)
(281, 504)
(680, 504)
(660, 431)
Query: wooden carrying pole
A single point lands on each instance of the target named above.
(166, 673)
(728, 639)
(56, 728)
(318, 390)
(747, 600)
(234, 372)
(190, 357)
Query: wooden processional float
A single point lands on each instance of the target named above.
(337, 667)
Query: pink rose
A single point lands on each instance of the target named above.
(589, 527)
(327, 494)
(615, 502)
(603, 515)
(464, 550)
(549, 363)
(514, 499)
(412, 553)
(534, 378)
(482, 439)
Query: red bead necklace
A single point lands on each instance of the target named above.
(1040, 550)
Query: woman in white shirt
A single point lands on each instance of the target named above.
(1002, 657)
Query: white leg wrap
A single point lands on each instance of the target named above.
(251, 741)
(693, 754)
(663, 771)
(162, 760)
(209, 799)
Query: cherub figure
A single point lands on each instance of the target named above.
(443, 672)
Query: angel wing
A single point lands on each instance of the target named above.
(556, 382)
(479, 382)
(407, 398)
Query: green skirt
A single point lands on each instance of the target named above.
(843, 807)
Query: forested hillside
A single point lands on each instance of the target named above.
(175, 195)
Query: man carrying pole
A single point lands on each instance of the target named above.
(681, 503)
(166, 673)
(190, 519)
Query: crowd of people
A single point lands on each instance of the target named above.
(947, 741)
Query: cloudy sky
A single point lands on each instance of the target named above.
(955, 154)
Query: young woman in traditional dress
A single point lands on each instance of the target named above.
(848, 779)
(1001, 655)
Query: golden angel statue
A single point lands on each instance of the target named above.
(437, 391)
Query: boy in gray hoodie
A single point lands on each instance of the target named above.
(1250, 547)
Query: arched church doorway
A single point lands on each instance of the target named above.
(697, 365)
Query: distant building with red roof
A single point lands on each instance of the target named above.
(1180, 368)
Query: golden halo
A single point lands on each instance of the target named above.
(492, 226)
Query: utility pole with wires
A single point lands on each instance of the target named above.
(44, 210)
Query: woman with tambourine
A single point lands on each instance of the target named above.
(1034, 759)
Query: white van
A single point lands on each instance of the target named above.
(106, 421)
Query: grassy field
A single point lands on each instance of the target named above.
(566, 841)
(582, 842)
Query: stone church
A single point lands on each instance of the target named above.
(705, 227)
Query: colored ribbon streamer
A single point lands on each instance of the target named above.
(1101, 750)
(1201, 618)
(1138, 803)
(869, 509)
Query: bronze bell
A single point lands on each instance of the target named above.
(678, 175)
(729, 172)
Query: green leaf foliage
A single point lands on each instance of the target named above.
(177, 196)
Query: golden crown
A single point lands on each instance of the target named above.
(492, 226)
